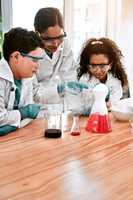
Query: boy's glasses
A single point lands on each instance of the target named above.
(32, 58)
(48, 39)
(97, 66)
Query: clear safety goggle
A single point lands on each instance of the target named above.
(32, 58)
(97, 66)
(48, 39)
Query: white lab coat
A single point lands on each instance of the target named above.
(113, 84)
(8, 116)
(61, 65)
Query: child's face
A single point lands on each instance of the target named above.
(99, 66)
(25, 65)
(52, 38)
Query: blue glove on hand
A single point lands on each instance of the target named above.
(4, 130)
(86, 112)
(77, 86)
(29, 111)
(61, 89)
(74, 85)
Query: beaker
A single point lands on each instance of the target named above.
(73, 100)
(53, 121)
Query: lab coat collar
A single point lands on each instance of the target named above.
(5, 71)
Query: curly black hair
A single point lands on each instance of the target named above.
(110, 49)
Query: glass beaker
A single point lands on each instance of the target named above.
(53, 121)
(73, 100)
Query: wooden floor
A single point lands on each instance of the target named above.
(85, 167)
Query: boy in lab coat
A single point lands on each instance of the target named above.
(21, 51)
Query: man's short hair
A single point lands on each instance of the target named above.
(47, 17)
(19, 39)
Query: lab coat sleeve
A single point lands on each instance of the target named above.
(115, 91)
(7, 117)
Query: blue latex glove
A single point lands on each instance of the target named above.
(29, 111)
(4, 130)
(86, 112)
(61, 89)
(78, 86)
(74, 85)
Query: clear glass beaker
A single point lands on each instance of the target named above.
(54, 119)
(73, 100)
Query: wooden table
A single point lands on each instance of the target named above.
(85, 167)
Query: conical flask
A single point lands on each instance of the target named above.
(98, 121)
(75, 130)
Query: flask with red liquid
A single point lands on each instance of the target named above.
(75, 130)
(98, 121)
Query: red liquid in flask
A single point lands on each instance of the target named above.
(75, 133)
(97, 123)
(75, 130)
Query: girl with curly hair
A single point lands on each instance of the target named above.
(101, 61)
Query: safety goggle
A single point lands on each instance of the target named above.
(51, 39)
(32, 58)
(97, 66)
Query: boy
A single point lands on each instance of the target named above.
(21, 51)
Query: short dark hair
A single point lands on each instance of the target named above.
(47, 17)
(19, 39)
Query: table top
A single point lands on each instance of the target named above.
(89, 166)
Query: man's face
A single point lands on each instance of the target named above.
(25, 65)
(52, 38)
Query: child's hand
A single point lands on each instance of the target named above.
(29, 111)
(4, 130)
(61, 89)
(74, 85)
(86, 113)
(78, 86)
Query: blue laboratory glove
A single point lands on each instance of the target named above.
(61, 89)
(77, 86)
(29, 111)
(86, 112)
(4, 130)
(74, 85)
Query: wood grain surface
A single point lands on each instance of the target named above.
(85, 167)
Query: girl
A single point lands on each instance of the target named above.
(100, 61)
(57, 55)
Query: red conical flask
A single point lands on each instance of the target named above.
(98, 121)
